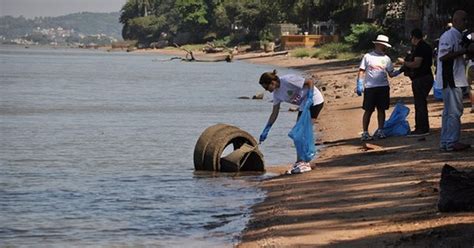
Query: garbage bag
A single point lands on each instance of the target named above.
(302, 133)
(437, 93)
(397, 124)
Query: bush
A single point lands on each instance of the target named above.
(334, 50)
(362, 35)
(224, 42)
(301, 52)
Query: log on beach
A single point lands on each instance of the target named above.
(456, 190)
(263, 55)
(191, 58)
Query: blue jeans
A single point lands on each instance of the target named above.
(451, 120)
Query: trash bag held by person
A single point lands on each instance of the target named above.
(302, 133)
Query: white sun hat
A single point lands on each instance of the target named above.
(382, 39)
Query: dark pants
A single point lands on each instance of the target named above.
(315, 110)
(421, 88)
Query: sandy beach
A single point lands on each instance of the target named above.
(361, 194)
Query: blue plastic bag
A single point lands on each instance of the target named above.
(302, 133)
(437, 93)
(359, 87)
(397, 124)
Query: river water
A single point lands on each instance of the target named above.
(96, 149)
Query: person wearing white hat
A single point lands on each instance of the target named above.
(373, 82)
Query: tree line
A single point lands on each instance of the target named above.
(197, 21)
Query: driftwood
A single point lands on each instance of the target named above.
(212, 48)
(456, 190)
(263, 55)
(189, 57)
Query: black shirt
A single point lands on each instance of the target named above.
(424, 51)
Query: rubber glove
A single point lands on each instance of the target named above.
(397, 72)
(265, 131)
(360, 87)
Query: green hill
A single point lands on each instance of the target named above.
(85, 23)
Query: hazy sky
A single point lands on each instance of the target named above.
(36, 8)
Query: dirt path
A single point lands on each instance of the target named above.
(376, 194)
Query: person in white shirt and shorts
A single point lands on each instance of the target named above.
(373, 71)
(291, 89)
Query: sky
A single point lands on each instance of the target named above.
(37, 8)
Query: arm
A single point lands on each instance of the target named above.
(416, 63)
(394, 73)
(391, 71)
(360, 75)
(446, 49)
(452, 55)
(308, 83)
(360, 83)
(274, 115)
(271, 120)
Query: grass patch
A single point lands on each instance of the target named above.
(335, 50)
(302, 52)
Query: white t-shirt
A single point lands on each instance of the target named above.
(449, 42)
(291, 91)
(376, 67)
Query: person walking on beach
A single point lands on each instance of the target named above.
(373, 82)
(451, 77)
(422, 81)
(292, 89)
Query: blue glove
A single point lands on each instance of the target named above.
(265, 131)
(360, 87)
(397, 72)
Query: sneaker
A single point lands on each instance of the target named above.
(379, 134)
(295, 165)
(301, 167)
(365, 136)
(417, 133)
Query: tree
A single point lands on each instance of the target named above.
(192, 14)
(146, 29)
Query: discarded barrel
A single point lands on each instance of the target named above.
(215, 139)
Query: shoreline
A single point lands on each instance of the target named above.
(374, 194)
(360, 194)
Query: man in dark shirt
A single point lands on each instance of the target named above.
(422, 81)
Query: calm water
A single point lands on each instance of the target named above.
(96, 149)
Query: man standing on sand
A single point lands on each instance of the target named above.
(451, 77)
(375, 65)
(422, 80)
